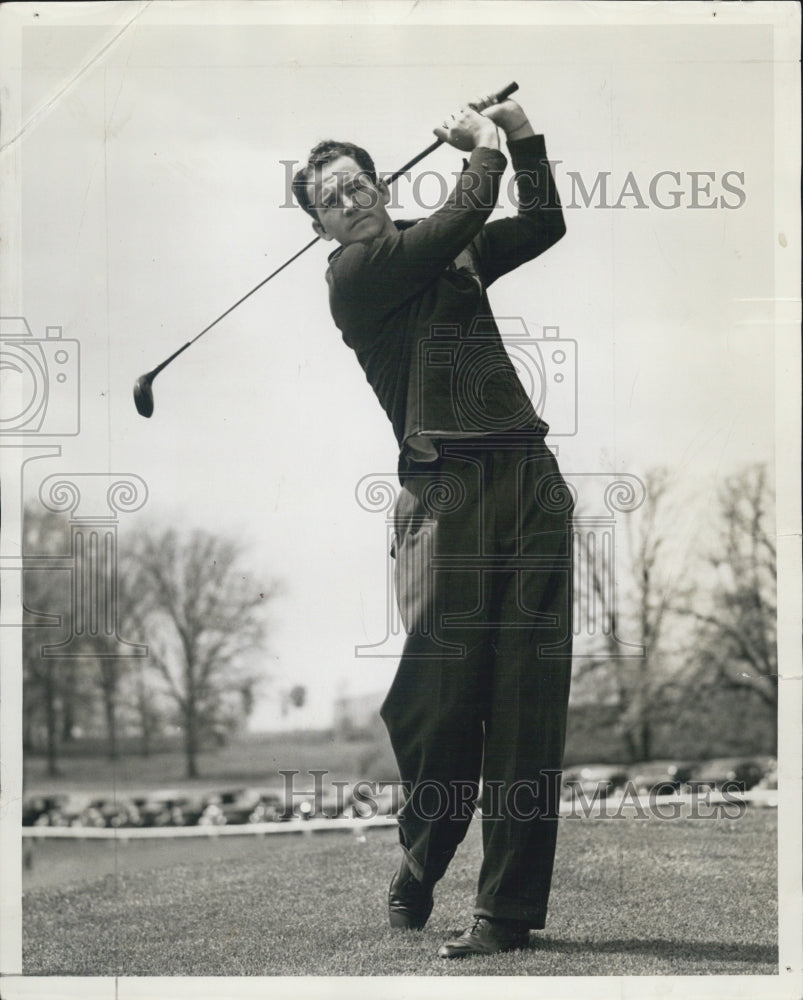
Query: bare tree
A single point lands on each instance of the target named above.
(202, 616)
(58, 689)
(643, 676)
(54, 689)
(736, 638)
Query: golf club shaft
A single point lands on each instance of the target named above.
(492, 99)
(237, 303)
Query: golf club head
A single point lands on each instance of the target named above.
(143, 395)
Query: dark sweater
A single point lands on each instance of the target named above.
(413, 306)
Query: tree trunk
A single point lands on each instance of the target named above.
(191, 742)
(630, 746)
(143, 711)
(144, 730)
(110, 709)
(109, 680)
(51, 720)
(67, 722)
(646, 740)
(68, 705)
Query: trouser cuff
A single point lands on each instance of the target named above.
(506, 908)
(413, 865)
(434, 869)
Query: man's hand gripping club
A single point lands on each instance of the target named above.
(477, 124)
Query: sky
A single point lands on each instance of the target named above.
(154, 193)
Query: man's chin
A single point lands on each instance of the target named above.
(365, 234)
(363, 230)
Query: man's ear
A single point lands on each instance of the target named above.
(384, 191)
(320, 231)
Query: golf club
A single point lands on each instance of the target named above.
(143, 387)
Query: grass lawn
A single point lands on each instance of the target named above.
(630, 897)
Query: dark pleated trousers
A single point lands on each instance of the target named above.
(484, 585)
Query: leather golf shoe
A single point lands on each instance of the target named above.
(409, 901)
(487, 937)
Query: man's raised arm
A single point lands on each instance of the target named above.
(504, 244)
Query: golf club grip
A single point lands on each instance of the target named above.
(499, 96)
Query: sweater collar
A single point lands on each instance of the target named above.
(400, 224)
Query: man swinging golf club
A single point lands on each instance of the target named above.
(482, 523)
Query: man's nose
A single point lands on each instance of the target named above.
(349, 204)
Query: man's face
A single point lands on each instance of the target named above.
(350, 207)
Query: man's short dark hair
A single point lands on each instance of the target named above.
(321, 154)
